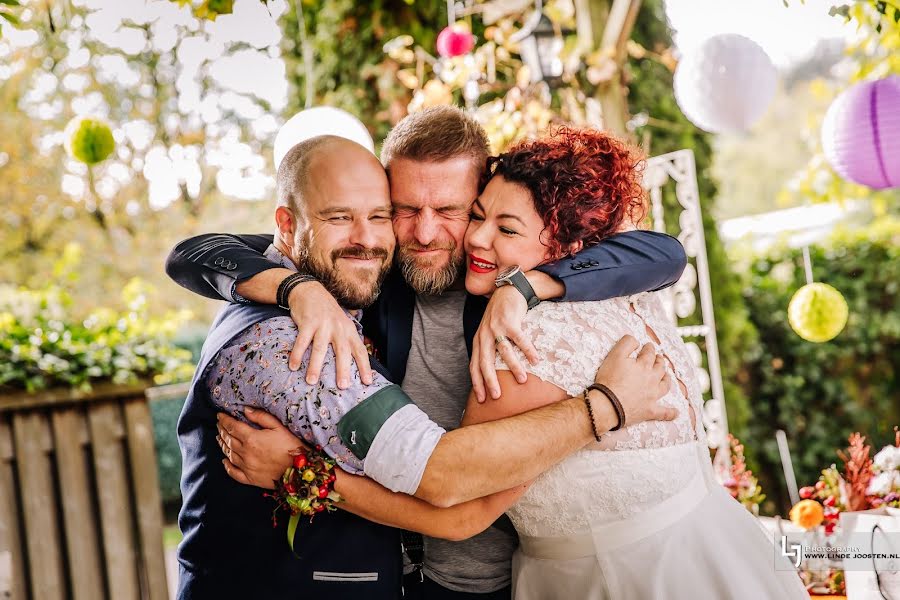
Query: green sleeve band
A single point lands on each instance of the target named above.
(362, 423)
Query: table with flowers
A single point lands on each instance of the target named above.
(863, 483)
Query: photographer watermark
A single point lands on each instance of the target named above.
(876, 552)
(855, 551)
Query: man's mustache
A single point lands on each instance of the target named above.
(363, 253)
(433, 246)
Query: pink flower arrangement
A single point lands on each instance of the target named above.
(741, 483)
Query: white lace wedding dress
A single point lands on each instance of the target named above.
(638, 515)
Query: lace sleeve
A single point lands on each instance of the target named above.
(570, 345)
(573, 338)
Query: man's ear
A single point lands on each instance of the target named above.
(286, 222)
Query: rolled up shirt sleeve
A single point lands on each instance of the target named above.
(374, 429)
(393, 437)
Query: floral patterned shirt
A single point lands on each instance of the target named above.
(252, 370)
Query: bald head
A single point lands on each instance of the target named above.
(334, 217)
(321, 164)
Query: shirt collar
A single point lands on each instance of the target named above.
(275, 255)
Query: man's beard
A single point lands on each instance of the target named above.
(422, 277)
(350, 294)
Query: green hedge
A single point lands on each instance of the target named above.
(168, 455)
(44, 343)
(165, 413)
(820, 393)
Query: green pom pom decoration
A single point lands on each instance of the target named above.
(89, 140)
(818, 312)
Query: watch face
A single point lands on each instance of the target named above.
(506, 273)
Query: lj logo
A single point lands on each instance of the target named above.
(793, 551)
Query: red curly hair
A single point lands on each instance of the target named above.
(584, 183)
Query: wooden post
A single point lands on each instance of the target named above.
(39, 503)
(12, 582)
(70, 437)
(609, 28)
(145, 480)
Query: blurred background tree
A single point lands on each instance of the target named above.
(151, 75)
(875, 54)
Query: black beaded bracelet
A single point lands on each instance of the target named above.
(614, 400)
(587, 403)
(287, 285)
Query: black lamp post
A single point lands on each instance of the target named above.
(541, 47)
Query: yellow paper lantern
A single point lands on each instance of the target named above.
(818, 312)
(89, 140)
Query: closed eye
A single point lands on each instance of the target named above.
(508, 231)
(451, 211)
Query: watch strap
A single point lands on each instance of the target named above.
(520, 282)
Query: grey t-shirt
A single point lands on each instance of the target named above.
(437, 379)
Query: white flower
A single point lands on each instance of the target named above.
(888, 459)
(882, 484)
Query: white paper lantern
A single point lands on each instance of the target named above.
(725, 84)
(321, 120)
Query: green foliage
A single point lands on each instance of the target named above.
(6, 12)
(44, 345)
(111, 210)
(165, 415)
(165, 411)
(348, 65)
(820, 393)
(873, 54)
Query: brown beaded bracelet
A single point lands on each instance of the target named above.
(614, 400)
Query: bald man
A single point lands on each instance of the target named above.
(334, 221)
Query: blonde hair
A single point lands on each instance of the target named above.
(436, 134)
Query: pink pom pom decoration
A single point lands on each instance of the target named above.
(454, 41)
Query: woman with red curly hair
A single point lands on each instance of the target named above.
(637, 514)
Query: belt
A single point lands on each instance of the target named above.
(618, 533)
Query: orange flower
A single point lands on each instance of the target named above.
(807, 514)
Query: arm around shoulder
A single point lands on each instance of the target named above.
(623, 264)
(211, 264)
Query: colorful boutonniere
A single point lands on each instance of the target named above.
(306, 489)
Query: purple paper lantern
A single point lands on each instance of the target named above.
(861, 133)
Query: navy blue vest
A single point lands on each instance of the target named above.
(230, 548)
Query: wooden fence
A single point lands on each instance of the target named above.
(80, 512)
